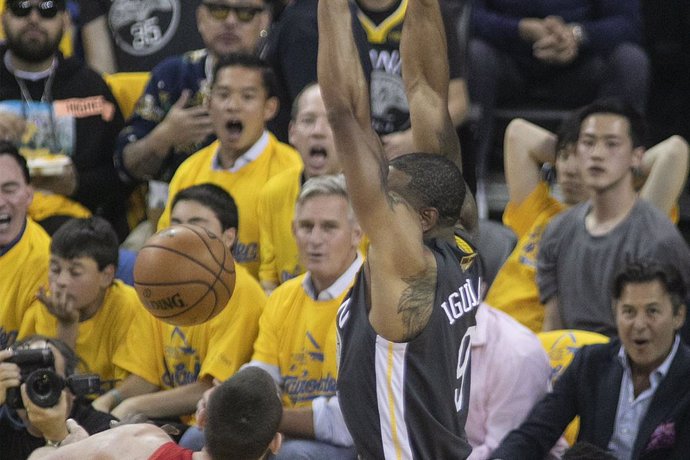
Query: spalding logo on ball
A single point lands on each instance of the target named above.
(184, 275)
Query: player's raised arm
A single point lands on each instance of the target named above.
(346, 96)
(426, 80)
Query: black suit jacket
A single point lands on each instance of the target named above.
(589, 387)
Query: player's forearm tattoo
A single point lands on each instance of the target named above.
(416, 301)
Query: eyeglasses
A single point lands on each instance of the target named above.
(242, 13)
(48, 9)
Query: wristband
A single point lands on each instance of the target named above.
(116, 395)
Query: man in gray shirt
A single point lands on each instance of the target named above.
(583, 248)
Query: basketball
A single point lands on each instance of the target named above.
(184, 275)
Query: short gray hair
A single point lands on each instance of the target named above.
(326, 185)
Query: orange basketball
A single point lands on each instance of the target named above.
(184, 275)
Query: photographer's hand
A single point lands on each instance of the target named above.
(50, 421)
(9, 374)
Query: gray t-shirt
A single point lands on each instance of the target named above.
(580, 268)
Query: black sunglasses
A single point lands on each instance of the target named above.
(48, 9)
(243, 13)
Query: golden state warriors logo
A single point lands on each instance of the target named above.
(143, 27)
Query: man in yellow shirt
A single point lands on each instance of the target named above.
(312, 136)
(170, 367)
(245, 156)
(297, 338)
(86, 307)
(24, 245)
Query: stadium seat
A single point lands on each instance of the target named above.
(561, 346)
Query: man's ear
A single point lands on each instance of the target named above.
(276, 443)
(108, 275)
(637, 154)
(271, 108)
(429, 218)
(229, 236)
(679, 318)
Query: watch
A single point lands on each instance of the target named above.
(55, 444)
(578, 33)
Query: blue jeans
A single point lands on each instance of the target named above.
(193, 439)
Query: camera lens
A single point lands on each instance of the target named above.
(44, 387)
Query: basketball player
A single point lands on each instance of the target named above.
(171, 367)
(404, 360)
(241, 418)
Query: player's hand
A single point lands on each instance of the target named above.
(60, 305)
(76, 432)
(9, 374)
(50, 421)
(126, 409)
(396, 144)
(186, 125)
(130, 419)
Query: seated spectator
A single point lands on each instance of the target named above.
(66, 109)
(85, 306)
(24, 245)
(291, 51)
(382, 21)
(565, 53)
(528, 148)
(170, 367)
(631, 394)
(312, 136)
(171, 121)
(296, 342)
(584, 247)
(245, 156)
(510, 373)
(125, 36)
(240, 417)
(26, 429)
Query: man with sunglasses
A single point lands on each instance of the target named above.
(65, 109)
(170, 122)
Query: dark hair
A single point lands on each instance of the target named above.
(71, 358)
(214, 198)
(645, 271)
(435, 182)
(638, 127)
(296, 103)
(248, 61)
(568, 132)
(585, 451)
(11, 150)
(92, 237)
(243, 414)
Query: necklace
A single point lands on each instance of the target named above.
(46, 97)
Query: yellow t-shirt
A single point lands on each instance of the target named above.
(277, 201)
(46, 205)
(297, 334)
(23, 269)
(171, 356)
(244, 186)
(99, 337)
(515, 288)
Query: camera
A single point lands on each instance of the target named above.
(43, 385)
